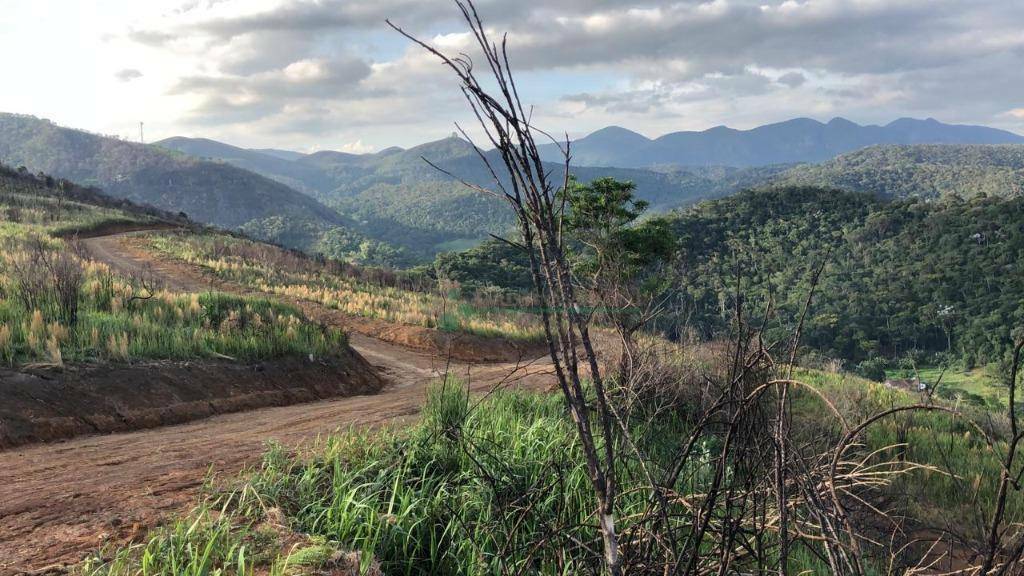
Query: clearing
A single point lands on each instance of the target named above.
(58, 502)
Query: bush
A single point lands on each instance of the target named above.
(872, 369)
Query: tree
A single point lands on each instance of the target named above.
(625, 265)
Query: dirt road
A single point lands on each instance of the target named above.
(59, 502)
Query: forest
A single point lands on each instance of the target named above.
(901, 276)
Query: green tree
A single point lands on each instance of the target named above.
(625, 263)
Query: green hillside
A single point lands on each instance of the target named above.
(902, 276)
(215, 193)
(926, 171)
(58, 305)
(395, 195)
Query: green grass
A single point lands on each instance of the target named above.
(415, 501)
(978, 386)
(117, 318)
(49, 215)
(959, 491)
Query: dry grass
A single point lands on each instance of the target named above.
(238, 261)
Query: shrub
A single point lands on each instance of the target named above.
(872, 369)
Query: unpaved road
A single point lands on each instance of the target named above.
(60, 502)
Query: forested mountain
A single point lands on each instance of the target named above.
(210, 192)
(927, 171)
(793, 141)
(295, 175)
(395, 194)
(282, 154)
(901, 275)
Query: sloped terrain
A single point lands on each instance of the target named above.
(61, 501)
(924, 171)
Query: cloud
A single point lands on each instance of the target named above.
(356, 147)
(792, 79)
(1016, 113)
(692, 61)
(128, 74)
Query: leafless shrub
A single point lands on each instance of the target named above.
(48, 279)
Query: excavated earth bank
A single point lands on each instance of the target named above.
(45, 405)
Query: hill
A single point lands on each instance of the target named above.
(64, 208)
(297, 176)
(794, 141)
(283, 154)
(217, 193)
(902, 275)
(927, 171)
(395, 195)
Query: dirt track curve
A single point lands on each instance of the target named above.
(60, 502)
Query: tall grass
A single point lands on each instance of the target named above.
(228, 259)
(499, 486)
(58, 217)
(118, 319)
(957, 491)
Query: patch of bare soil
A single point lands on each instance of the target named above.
(61, 501)
(43, 406)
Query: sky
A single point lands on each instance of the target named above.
(313, 75)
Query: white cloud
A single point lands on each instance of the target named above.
(329, 73)
(356, 147)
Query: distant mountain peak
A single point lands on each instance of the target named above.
(617, 131)
(793, 141)
(840, 121)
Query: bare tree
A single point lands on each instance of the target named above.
(1000, 557)
(531, 192)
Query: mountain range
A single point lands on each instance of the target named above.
(794, 141)
(394, 195)
(212, 192)
(392, 207)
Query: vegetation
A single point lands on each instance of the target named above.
(498, 485)
(209, 192)
(63, 208)
(925, 171)
(394, 298)
(57, 306)
(395, 196)
(494, 264)
(901, 276)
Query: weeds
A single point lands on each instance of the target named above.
(235, 260)
(498, 486)
(55, 307)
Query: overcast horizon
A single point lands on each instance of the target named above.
(330, 74)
